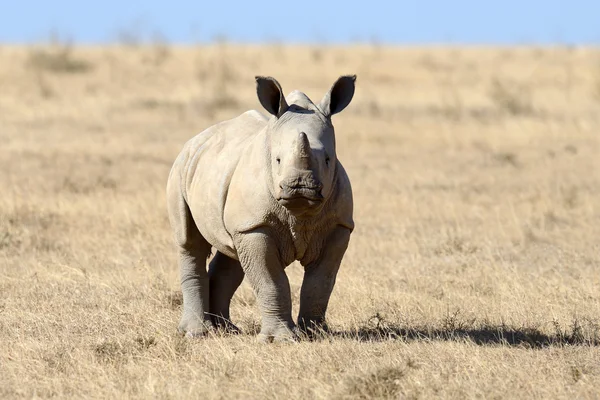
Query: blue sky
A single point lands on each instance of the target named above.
(402, 22)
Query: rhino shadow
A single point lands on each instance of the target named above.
(483, 336)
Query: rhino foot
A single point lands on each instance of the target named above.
(194, 327)
(313, 328)
(280, 333)
(225, 325)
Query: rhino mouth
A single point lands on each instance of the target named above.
(310, 193)
(300, 196)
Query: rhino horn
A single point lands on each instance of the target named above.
(302, 151)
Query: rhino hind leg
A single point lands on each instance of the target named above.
(193, 253)
(195, 320)
(225, 276)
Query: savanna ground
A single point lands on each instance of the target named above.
(474, 269)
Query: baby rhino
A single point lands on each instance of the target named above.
(262, 192)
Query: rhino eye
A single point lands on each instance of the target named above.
(327, 160)
(278, 160)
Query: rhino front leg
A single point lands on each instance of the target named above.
(319, 279)
(261, 262)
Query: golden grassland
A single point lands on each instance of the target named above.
(474, 269)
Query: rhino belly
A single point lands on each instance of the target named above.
(207, 196)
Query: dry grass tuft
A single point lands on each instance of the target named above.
(381, 384)
(58, 58)
(513, 98)
(110, 352)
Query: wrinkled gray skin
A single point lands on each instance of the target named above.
(262, 192)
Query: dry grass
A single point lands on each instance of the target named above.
(474, 270)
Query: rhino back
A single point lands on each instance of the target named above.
(211, 158)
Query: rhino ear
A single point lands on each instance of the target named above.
(270, 95)
(339, 96)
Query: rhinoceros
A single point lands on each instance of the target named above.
(263, 192)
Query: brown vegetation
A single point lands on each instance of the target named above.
(474, 270)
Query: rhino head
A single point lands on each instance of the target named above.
(301, 143)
